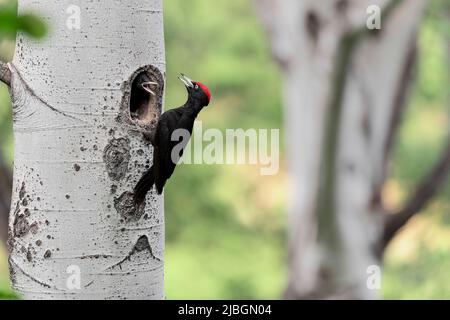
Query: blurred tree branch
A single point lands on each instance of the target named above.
(400, 101)
(430, 184)
(5, 73)
(426, 190)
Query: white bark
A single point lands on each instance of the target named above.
(78, 154)
(334, 235)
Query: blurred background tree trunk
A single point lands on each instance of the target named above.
(345, 88)
(79, 150)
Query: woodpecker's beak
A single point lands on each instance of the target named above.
(147, 87)
(187, 82)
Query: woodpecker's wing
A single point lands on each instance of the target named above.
(164, 166)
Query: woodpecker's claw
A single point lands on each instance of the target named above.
(187, 82)
(146, 87)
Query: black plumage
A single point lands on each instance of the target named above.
(182, 118)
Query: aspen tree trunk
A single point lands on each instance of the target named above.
(344, 91)
(80, 147)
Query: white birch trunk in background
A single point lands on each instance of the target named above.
(342, 90)
(74, 231)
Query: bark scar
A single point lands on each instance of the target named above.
(117, 157)
(40, 99)
(141, 245)
(34, 279)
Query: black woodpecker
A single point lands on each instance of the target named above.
(181, 118)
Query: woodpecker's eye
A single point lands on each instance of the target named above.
(196, 87)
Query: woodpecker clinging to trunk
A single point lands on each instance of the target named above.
(181, 118)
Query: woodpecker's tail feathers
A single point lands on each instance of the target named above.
(160, 186)
(144, 186)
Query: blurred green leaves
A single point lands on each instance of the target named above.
(11, 23)
(228, 229)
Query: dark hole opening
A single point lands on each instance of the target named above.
(143, 104)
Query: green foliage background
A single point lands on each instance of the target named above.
(226, 224)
